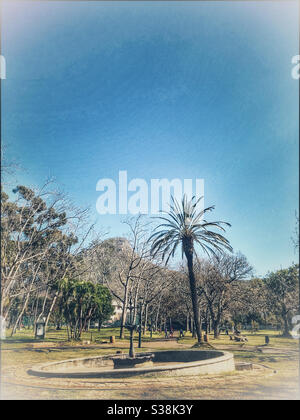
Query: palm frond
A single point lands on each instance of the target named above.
(184, 222)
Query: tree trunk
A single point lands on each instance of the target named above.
(19, 318)
(157, 314)
(193, 330)
(146, 319)
(124, 313)
(206, 321)
(36, 309)
(188, 250)
(286, 326)
(216, 330)
(51, 309)
(44, 304)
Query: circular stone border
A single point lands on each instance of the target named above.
(209, 362)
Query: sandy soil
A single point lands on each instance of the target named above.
(260, 383)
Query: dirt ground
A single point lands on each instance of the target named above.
(275, 374)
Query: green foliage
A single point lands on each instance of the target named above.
(254, 326)
(35, 244)
(184, 225)
(282, 287)
(83, 301)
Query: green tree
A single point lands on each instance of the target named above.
(82, 301)
(282, 287)
(184, 226)
(32, 231)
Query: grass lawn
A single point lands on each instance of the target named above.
(22, 351)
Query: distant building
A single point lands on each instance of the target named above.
(115, 319)
(118, 312)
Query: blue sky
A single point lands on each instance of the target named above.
(162, 90)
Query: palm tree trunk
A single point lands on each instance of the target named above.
(188, 250)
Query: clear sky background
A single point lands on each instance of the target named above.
(162, 90)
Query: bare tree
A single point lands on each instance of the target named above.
(217, 279)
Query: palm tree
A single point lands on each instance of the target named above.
(184, 225)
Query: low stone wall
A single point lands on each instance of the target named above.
(179, 363)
